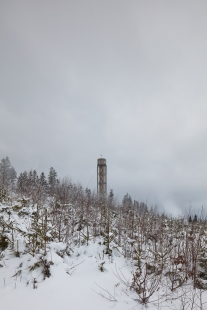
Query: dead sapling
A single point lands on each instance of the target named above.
(105, 293)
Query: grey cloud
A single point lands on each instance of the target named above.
(124, 79)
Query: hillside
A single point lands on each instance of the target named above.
(90, 253)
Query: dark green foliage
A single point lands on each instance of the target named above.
(46, 266)
(195, 219)
(4, 242)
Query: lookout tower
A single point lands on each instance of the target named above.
(101, 176)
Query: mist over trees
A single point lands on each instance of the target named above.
(163, 251)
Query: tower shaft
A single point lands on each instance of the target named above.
(101, 176)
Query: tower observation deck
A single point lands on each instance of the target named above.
(101, 176)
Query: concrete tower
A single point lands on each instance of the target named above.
(101, 176)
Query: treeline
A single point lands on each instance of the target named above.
(41, 187)
(27, 183)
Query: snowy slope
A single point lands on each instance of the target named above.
(80, 275)
(66, 288)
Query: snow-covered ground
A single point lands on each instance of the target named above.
(78, 288)
(81, 276)
(67, 287)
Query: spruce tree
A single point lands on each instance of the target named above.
(8, 174)
(52, 181)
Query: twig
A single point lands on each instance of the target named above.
(110, 296)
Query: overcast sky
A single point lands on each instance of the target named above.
(125, 79)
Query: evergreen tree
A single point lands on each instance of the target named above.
(35, 179)
(29, 182)
(142, 208)
(111, 195)
(195, 219)
(43, 182)
(22, 183)
(8, 174)
(52, 181)
(127, 201)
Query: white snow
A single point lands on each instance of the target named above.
(76, 280)
(67, 287)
